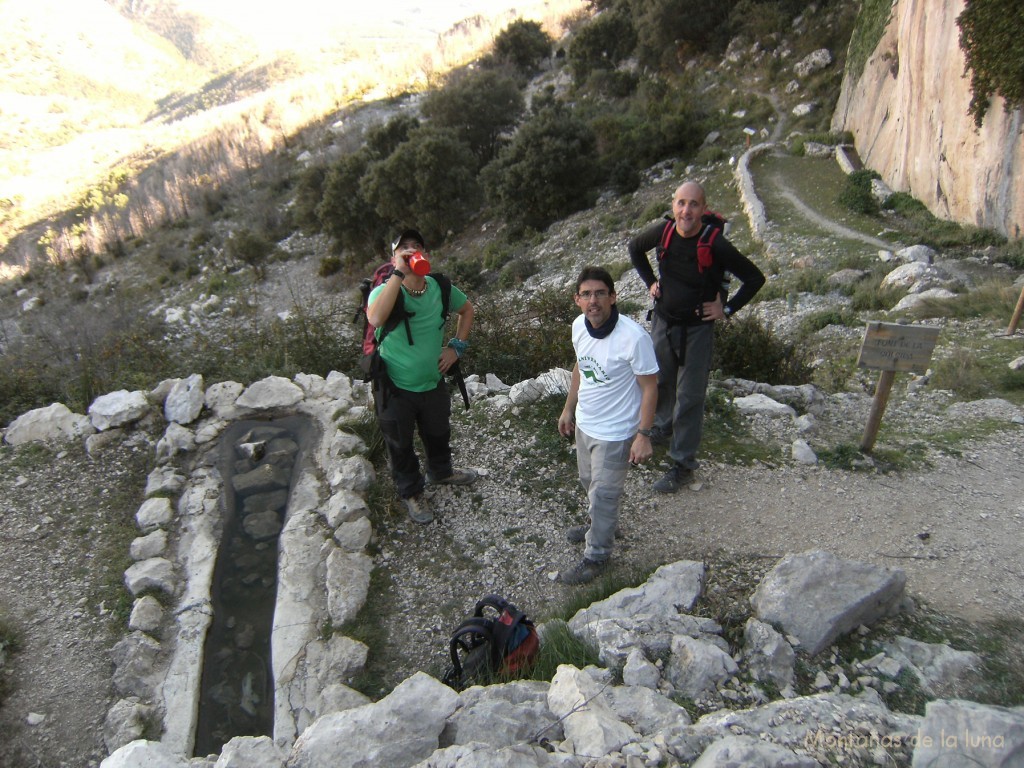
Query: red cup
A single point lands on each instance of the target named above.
(419, 264)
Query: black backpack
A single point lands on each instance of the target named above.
(373, 367)
(498, 642)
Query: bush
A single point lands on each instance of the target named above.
(1012, 253)
(905, 204)
(816, 321)
(345, 213)
(480, 107)
(524, 45)
(308, 194)
(992, 39)
(329, 265)
(856, 193)
(546, 173)
(516, 340)
(602, 44)
(747, 349)
(250, 247)
(429, 179)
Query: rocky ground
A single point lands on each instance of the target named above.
(953, 524)
(954, 528)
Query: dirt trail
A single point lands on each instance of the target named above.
(955, 529)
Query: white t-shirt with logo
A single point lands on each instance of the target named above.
(609, 398)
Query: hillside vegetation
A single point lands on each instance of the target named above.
(487, 162)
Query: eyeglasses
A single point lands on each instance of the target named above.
(587, 295)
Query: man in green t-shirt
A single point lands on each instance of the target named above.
(417, 360)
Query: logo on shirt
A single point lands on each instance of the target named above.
(591, 370)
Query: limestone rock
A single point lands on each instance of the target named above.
(817, 597)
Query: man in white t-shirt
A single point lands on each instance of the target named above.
(610, 410)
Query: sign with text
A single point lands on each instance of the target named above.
(895, 347)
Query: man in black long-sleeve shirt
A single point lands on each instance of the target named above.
(688, 299)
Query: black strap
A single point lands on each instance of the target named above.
(470, 634)
(456, 373)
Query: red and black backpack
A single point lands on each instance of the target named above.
(712, 225)
(498, 642)
(371, 363)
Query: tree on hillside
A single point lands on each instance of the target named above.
(547, 172)
(345, 213)
(480, 107)
(429, 182)
(382, 140)
(524, 45)
(992, 38)
(602, 44)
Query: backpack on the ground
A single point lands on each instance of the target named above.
(712, 225)
(373, 367)
(498, 642)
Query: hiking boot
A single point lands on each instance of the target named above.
(457, 477)
(674, 479)
(578, 533)
(418, 508)
(583, 572)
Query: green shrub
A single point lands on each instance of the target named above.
(481, 107)
(905, 204)
(329, 265)
(10, 643)
(517, 271)
(250, 247)
(992, 39)
(602, 44)
(516, 340)
(826, 317)
(441, 194)
(524, 45)
(747, 349)
(466, 273)
(869, 296)
(1012, 253)
(856, 193)
(546, 173)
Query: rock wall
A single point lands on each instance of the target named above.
(908, 114)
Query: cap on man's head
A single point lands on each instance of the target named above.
(407, 235)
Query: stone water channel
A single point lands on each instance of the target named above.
(258, 463)
(252, 543)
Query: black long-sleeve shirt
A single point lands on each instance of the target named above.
(683, 287)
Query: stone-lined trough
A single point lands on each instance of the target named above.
(298, 503)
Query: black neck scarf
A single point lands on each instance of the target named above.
(606, 327)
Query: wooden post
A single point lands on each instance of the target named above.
(1012, 328)
(882, 390)
(892, 347)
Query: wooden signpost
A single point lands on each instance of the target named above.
(892, 347)
(1012, 327)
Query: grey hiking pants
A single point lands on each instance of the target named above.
(602, 466)
(684, 365)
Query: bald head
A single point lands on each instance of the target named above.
(691, 190)
(688, 206)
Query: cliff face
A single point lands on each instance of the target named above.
(908, 115)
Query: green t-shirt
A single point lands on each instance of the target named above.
(414, 368)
